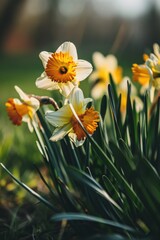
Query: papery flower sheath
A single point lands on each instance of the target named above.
(100, 77)
(22, 110)
(63, 69)
(65, 121)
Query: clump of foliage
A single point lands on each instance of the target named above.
(109, 186)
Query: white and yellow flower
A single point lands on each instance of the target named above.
(143, 75)
(63, 69)
(22, 110)
(148, 74)
(154, 65)
(65, 121)
(100, 77)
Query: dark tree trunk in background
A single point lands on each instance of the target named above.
(153, 26)
(7, 18)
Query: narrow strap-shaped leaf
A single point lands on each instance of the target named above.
(87, 180)
(101, 154)
(35, 194)
(84, 217)
(131, 121)
(103, 107)
(113, 107)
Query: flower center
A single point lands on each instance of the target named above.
(17, 111)
(89, 119)
(61, 68)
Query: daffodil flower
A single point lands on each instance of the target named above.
(22, 110)
(63, 69)
(143, 75)
(154, 64)
(65, 121)
(148, 74)
(100, 77)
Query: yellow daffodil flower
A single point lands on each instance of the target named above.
(141, 74)
(100, 77)
(148, 74)
(63, 69)
(154, 65)
(24, 110)
(66, 123)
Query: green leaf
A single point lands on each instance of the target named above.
(103, 108)
(94, 185)
(131, 123)
(35, 194)
(84, 217)
(113, 107)
(118, 176)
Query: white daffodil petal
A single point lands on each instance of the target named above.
(70, 48)
(17, 101)
(98, 59)
(111, 62)
(27, 119)
(94, 76)
(44, 56)
(76, 97)
(139, 103)
(31, 101)
(60, 117)
(66, 88)
(83, 69)
(151, 93)
(34, 103)
(123, 85)
(73, 138)
(156, 49)
(153, 58)
(86, 101)
(98, 90)
(22, 95)
(46, 83)
(30, 127)
(61, 132)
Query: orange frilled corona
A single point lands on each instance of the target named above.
(16, 111)
(89, 120)
(140, 74)
(61, 67)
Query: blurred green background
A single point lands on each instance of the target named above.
(124, 28)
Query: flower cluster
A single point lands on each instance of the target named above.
(100, 78)
(113, 180)
(63, 72)
(147, 74)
